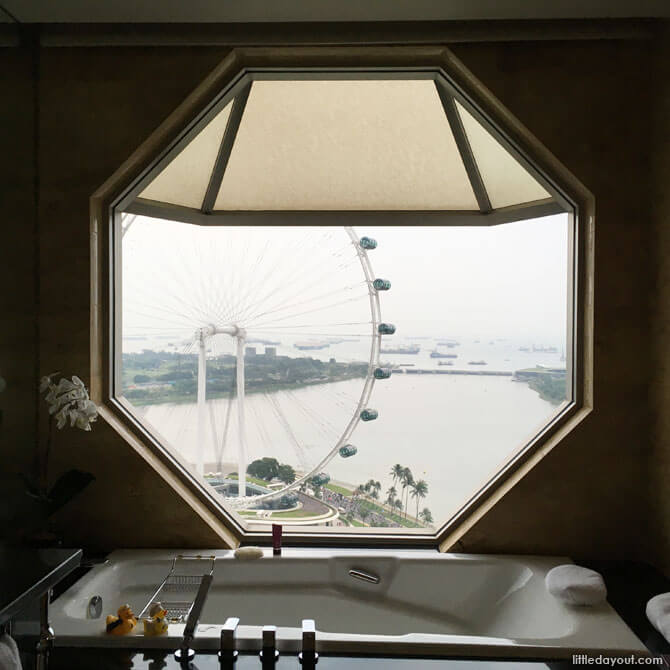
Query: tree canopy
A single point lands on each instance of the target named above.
(286, 473)
(264, 468)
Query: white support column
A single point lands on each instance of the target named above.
(242, 447)
(201, 400)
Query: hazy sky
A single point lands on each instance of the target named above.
(500, 282)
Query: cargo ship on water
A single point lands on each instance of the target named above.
(408, 349)
(311, 346)
(545, 350)
(439, 354)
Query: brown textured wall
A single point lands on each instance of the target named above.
(18, 322)
(589, 497)
(590, 104)
(95, 107)
(659, 467)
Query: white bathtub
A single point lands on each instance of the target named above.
(426, 603)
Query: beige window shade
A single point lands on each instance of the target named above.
(345, 145)
(506, 181)
(184, 180)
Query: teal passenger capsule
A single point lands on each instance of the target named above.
(369, 414)
(386, 329)
(382, 373)
(320, 480)
(382, 284)
(367, 243)
(348, 450)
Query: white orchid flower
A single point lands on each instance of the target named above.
(61, 418)
(83, 423)
(45, 382)
(69, 400)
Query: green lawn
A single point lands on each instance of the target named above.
(389, 515)
(339, 489)
(355, 522)
(291, 514)
(253, 480)
(407, 523)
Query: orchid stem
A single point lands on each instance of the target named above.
(45, 459)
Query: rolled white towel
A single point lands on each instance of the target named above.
(658, 613)
(575, 585)
(9, 654)
(248, 553)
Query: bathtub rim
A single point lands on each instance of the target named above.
(412, 644)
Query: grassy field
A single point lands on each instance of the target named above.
(153, 377)
(253, 480)
(407, 523)
(339, 489)
(551, 389)
(291, 514)
(367, 504)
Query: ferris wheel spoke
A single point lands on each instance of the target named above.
(312, 311)
(317, 325)
(285, 424)
(301, 277)
(226, 285)
(224, 433)
(308, 294)
(310, 300)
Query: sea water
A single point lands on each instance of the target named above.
(453, 431)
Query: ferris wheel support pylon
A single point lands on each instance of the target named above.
(201, 400)
(201, 336)
(242, 445)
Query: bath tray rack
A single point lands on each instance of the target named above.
(178, 590)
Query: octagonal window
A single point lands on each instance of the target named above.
(343, 302)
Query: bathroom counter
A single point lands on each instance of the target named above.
(27, 573)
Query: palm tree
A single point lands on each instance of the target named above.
(398, 504)
(396, 473)
(390, 495)
(419, 491)
(407, 480)
(426, 516)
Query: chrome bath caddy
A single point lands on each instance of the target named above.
(179, 588)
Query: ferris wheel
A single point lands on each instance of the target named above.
(236, 288)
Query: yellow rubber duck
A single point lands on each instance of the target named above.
(123, 623)
(156, 624)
